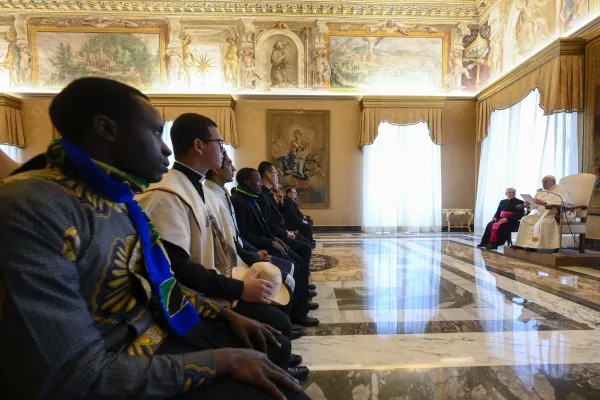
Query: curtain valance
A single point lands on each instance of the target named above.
(220, 108)
(557, 73)
(400, 111)
(11, 124)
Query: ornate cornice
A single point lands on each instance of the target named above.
(458, 10)
(560, 47)
(192, 100)
(402, 102)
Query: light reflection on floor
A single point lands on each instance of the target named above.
(429, 316)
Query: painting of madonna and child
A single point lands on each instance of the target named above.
(299, 149)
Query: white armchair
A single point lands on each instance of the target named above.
(581, 187)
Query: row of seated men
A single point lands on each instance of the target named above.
(536, 231)
(120, 278)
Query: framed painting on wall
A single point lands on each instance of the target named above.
(130, 55)
(298, 146)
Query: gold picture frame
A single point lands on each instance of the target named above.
(298, 146)
(34, 31)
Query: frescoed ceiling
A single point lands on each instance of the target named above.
(404, 47)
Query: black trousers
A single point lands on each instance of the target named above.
(503, 233)
(267, 314)
(301, 248)
(306, 231)
(217, 335)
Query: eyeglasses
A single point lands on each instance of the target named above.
(220, 141)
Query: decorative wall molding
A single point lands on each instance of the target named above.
(457, 10)
(192, 100)
(561, 46)
(402, 101)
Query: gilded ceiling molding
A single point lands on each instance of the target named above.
(401, 101)
(457, 10)
(192, 100)
(560, 47)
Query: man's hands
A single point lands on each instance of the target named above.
(503, 221)
(280, 245)
(494, 220)
(263, 255)
(251, 333)
(539, 202)
(254, 368)
(256, 290)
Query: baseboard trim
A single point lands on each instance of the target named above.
(592, 243)
(336, 228)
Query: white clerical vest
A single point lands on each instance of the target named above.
(181, 218)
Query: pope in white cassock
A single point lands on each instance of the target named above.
(540, 230)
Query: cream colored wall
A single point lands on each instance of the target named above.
(458, 155)
(345, 162)
(37, 126)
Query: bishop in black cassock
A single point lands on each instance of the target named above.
(507, 217)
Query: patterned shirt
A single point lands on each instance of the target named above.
(71, 275)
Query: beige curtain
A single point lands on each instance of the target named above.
(11, 124)
(223, 116)
(399, 112)
(559, 81)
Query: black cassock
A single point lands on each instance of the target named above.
(505, 229)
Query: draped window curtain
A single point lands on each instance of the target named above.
(402, 181)
(167, 139)
(13, 152)
(523, 145)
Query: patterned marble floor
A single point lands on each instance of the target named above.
(430, 316)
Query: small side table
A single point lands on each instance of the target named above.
(458, 211)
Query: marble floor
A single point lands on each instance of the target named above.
(430, 316)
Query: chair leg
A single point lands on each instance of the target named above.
(582, 243)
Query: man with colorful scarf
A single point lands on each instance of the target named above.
(201, 250)
(254, 228)
(89, 307)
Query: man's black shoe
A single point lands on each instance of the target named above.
(295, 360)
(300, 373)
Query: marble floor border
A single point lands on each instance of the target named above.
(431, 326)
(439, 350)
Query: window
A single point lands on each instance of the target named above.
(13, 152)
(523, 145)
(402, 187)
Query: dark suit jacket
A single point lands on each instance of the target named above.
(271, 213)
(294, 219)
(510, 206)
(251, 224)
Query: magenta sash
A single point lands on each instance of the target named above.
(496, 226)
